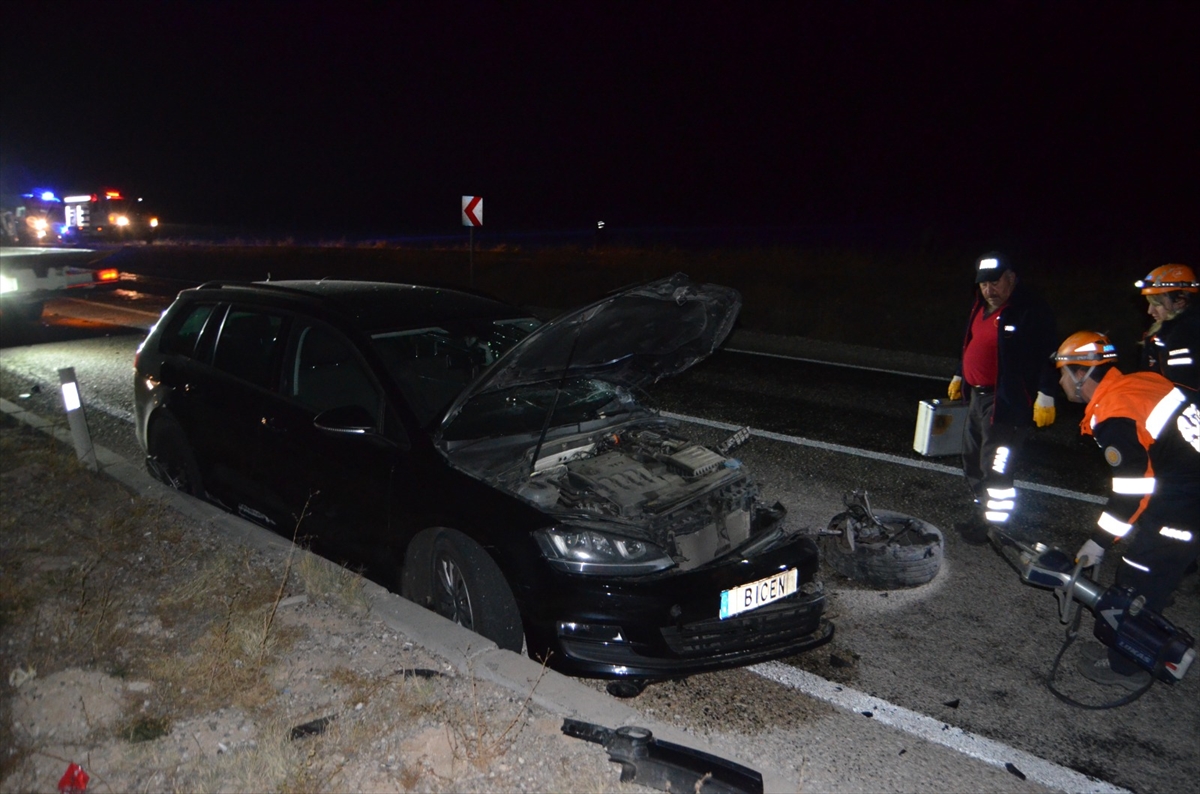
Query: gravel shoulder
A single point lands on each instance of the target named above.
(142, 645)
(135, 626)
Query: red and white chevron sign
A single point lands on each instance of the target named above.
(472, 211)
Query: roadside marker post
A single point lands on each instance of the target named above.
(76, 418)
(472, 216)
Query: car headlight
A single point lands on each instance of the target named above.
(154, 223)
(594, 553)
(122, 220)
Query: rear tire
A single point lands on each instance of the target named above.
(461, 582)
(171, 459)
(913, 558)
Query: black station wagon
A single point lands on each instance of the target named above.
(499, 470)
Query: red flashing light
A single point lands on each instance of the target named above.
(108, 274)
(112, 194)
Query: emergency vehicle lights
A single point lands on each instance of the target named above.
(112, 194)
(77, 199)
(108, 274)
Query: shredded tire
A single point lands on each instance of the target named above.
(910, 558)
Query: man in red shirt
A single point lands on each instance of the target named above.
(1006, 361)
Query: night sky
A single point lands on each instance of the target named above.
(1064, 118)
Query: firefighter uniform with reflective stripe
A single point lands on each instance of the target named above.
(1150, 434)
(1174, 352)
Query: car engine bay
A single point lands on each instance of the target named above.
(694, 501)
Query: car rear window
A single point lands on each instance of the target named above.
(184, 332)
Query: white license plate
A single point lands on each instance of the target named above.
(756, 594)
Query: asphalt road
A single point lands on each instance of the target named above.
(968, 652)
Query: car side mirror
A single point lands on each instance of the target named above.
(353, 419)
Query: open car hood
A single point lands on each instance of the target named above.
(633, 337)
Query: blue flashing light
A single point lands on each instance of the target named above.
(41, 194)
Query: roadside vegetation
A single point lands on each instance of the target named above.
(139, 645)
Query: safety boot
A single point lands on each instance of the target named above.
(1094, 666)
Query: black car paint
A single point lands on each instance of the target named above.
(260, 455)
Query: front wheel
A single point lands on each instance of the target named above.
(466, 586)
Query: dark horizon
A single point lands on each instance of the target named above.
(992, 120)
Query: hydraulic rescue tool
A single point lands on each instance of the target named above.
(1150, 640)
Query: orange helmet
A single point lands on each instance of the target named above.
(1168, 278)
(1085, 349)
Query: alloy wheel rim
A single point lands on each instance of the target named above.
(455, 594)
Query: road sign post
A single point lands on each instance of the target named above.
(472, 216)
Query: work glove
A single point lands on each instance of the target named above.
(1090, 554)
(955, 390)
(1043, 410)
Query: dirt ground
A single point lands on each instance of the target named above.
(158, 658)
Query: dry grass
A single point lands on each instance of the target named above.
(109, 582)
(324, 580)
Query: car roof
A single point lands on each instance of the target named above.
(377, 305)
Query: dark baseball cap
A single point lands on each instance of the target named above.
(991, 267)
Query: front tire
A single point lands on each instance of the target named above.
(465, 585)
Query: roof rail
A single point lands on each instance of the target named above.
(267, 285)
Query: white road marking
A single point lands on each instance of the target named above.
(978, 747)
(882, 456)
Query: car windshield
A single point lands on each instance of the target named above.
(433, 365)
(586, 402)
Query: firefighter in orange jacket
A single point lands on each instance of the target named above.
(1172, 345)
(1150, 434)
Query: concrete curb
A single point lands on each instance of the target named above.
(468, 652)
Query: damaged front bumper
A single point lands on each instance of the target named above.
(669, 624)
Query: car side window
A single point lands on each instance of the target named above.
(324, 371)
(247, 344)
(184, 332)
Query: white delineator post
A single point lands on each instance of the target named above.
(76, 418)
